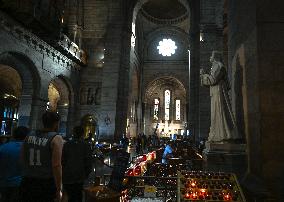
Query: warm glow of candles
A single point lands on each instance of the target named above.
(227, 197)
(203, 191)
(187, 195)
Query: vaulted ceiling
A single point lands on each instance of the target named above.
(164, 9)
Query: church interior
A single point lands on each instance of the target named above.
(137, 67)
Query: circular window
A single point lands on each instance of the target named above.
(167, 47)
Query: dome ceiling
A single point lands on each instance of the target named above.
(164, 9)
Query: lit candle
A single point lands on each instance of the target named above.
(193, 184)
(203, 191)
(187, 195)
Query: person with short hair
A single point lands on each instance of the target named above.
(77, 164)
(41, 156)
(10, 168)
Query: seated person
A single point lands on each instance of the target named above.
(168, 152)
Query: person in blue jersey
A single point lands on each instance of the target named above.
(10, 168)
(41, 156)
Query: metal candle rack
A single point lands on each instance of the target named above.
(208, 187)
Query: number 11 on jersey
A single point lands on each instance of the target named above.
(35, 157)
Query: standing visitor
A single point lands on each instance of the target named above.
(77, 164)
(41, 153)
(124, 142)
(10, 168)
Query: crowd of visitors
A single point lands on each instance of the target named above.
(39, 166)
(143, 143)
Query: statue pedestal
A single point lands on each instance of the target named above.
(226, 157)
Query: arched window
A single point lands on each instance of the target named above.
(133, 36)
(178, 110)
(167, 104)
(156, 108)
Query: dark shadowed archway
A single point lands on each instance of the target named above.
(21, 67)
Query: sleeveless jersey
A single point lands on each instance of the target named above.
(37, 155)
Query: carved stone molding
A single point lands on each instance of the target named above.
(31, 40)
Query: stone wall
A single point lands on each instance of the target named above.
(256, 58)
(270, 31)
(38, 64)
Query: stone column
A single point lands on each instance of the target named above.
(123, 84)
(25, 108)
(63, 112)
(38, 109)
(194, 84)
(115, 85)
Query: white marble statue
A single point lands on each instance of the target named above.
(223, 126)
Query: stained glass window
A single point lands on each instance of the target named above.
(178, 110)
(133, 36)
(156, 109)
(167, 47)
(167, 104)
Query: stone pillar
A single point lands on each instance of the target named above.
(63, 112)
(110, 84)
(123, 85)
(115, 85)
(194, 84)
(139, 118)
(25, 108)
(38, 109)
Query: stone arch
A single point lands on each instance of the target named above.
(10, 93)
(65, 105)
(160, 75)
(70, 89)
(10, 81)
(31, 85)
(26, 69)
(162, 80)
(156, 89)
